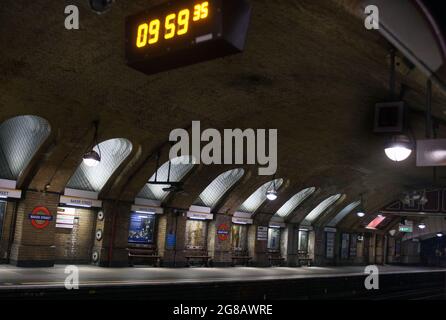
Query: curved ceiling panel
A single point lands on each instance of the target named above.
(180, 166)
(113, 153)
(256, 199)
(343, 213)
(218, 187)
(20, 138)
(289, 206)
(404, 25)
(321, 208)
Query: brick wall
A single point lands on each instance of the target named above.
(221, 248)
(161, 233)
(115, 230)
(75, 245)
(7, 228)
(32, 246)
(257, 248)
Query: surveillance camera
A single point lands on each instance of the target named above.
(100, 6)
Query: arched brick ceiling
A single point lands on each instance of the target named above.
(173, 171)
(20, 138)
(289, 206)
(113, 152)
(258, 197)
(218, 187)
(320, 209)
(310, 70)
(343, 213)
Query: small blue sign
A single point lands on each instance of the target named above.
(171, 240)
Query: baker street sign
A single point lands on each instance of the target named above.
(40, 217)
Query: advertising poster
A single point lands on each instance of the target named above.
(329, 249)
(273, 239)
(345, 244)
(353, 245)
(141, 229)
(2, 211)
(196, 234)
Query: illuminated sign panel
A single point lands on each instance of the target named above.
(375, 222)
(406, 227)
(184, 32)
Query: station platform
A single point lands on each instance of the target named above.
(13, 277)
(206, 283)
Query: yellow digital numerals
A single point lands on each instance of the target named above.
(201, 11)
(170, 26)
(183, 22)
(174, 25)
(154, 31)
(141, 39)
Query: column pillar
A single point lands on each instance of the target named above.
(391, 250)
(379, 249)
(289, 245)
(372, 248)
(258, 244)
(110, 250)
(319, 246)
(221, 234)
(174, 251)
(7, 231)
(161, 235)
(33, 244)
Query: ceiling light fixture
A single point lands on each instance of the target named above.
(361, 212)
(422, 225)
(271, 194)
(440, 234)
(93, 158)
(399, 148)
(100, 6)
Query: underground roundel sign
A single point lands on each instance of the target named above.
(40, 217)
(223, 232)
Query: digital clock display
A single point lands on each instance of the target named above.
(184, 32)
(171, 26)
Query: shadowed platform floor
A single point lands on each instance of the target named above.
(91, 276)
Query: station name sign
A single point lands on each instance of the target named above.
(199, 216)
(80, 202)
(40, 217)
(7, 193)
(184, 32)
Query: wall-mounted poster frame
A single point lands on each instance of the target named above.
(353, 245)
(2, 214)
(142, 228)
(273, 243)
(330, 244)
(196, 234)
(345, 245)
(397, 247)
(239, 237)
